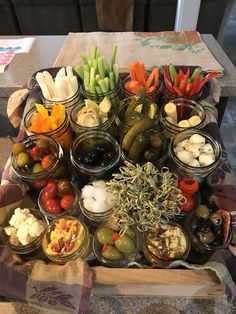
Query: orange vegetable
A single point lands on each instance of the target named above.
(139, 78)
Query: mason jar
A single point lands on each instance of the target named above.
(95, 155)
(108, 125)
(185, 109)
(154, 95)
(184, 170)
(39, 179)
(73, 243)
(63, 134)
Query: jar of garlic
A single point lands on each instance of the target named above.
(194, 153)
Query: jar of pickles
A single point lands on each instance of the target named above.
(180, 114)
(65, 239)
(37, 159)
(194, 154)
(88, 115)
(50, 120)
(95, 155)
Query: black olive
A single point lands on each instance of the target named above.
(216, 219)
(206, 237)
(204, 225)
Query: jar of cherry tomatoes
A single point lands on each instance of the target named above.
(37, 159)
(62, 134)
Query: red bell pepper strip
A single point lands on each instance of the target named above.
(207, 78)
(167, 80)
(177, 91)
(196, 83)
(188, 88)
(181, 73)
(183, 81)
(176, 80)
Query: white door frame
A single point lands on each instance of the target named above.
(187, 15)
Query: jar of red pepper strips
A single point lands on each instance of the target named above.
(184, 83)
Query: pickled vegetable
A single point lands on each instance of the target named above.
(202, 212)
(18, 148)
(152, 154)
(22, 160)
(104, 236)
(111, 253)
(125, 244)
(139, 144)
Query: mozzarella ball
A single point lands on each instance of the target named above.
(99, 194)
(207, 149)
(195, 149)
(178, 149)
(197, 139)
(184, 124)
(99, 206)
(194, 120)
(183, 143)
(206, 159)
(88, 203)
(87, 191)
(185, 156)
(99, 184)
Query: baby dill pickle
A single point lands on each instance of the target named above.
(152, 154)
(130, 108)
(18, 148)
(155, 140)
(139, 144)
(137, 128)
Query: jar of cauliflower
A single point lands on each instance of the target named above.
(23, 230)
(194, 153)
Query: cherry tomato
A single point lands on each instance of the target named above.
(49, 191)
(188, 186)
(67, 201)
(46, 161)
(189, 205)
(52, 206)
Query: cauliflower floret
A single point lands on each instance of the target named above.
(10, 231)
(19, 216)
(23, 234)
(36, 228)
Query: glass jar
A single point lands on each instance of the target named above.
(73, 211)
(155, 255)
(108, 125)
(168, 96)
(32, 249)
(63, 134)
(185, 109)
(155, 95)
(115, 95)
(184, 170)
(39, 179)
(95, 155)
(69, 103)
(123, 259)
(65, 239)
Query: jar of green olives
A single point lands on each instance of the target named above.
(95, 155)
(37, 159)
(113, 248)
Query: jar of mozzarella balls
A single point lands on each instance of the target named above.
(97, 202)
(180, 114)
(194, 153)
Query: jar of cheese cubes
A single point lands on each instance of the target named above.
(50, 120)
(194, 154)
(180, 114)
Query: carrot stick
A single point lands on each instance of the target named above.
(139, 74)
(153, 76)
(132, 71)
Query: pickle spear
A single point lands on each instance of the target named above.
(137, 128)
(139, 144)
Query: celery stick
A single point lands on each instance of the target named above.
(116, 73)
(86, 79)
(111, 83)
(98, 90)
(91, 75)
(93, 53)
(106, 66)
(97, 77)
(103, 86)
(90, 63)
(101, 67)
(113, 56)
(84, 58)
(80, 71)
(92, 86)
(86, 68)
(95, 66)
(106, 81)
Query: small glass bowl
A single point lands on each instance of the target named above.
(73, 211)
(184, 170)
(106, 126)
(38, 180)
(202, 248)
(159, 261)
(153, 95)
(34, 247)
(84, 244)
(97, 247)
(185, 108)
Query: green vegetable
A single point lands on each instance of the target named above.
(196, 72)
(172, 71)
(125, 244)
(139, 144)
(104, 236)
(111, 253)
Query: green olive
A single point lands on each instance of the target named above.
(130, 232)
(42, 143)
(206, 237)
(216, 219)
(22, 160)
(111, 223)
(104, 236)
(111, 253)
(37, 167)
(202, 212)
(125, 244)
(18, 148)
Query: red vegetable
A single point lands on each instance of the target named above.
(46, 161)
(104, 247)
(52, 206)
(67, 201)
(115, 236)
(189, 204)
(167, 80)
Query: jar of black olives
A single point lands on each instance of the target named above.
(95, 155)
